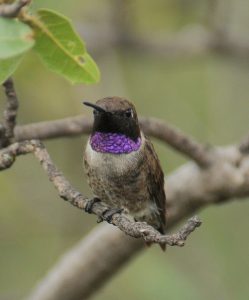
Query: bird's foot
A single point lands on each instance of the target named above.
(90, 203)
(109, 213)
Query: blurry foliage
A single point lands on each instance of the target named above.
(206, 97)
(16, 38)
(53, 38)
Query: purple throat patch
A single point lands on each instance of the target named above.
(113, 143)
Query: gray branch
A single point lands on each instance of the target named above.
(73, 126)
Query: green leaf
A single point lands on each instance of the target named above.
(61, 49)
(8, 67)
(15, 38)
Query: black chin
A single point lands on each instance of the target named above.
(111, 123)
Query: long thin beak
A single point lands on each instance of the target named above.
(98, 108)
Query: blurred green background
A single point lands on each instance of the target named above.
(204, 95)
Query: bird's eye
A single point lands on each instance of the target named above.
(95, 112)
(129, 113)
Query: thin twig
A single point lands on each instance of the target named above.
(10, 111)
(68, 193)
(151, 126)
(2, 135)
(12, 10)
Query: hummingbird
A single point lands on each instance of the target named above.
(121, 165)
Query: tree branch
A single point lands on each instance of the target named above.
(12, 10)
(68, 193)
(66, 127)
(151, 126)
(105, 250)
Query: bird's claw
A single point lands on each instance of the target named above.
(106, 215)
(109, 213)
(90, 203)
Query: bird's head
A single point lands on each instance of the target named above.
(115, 115)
